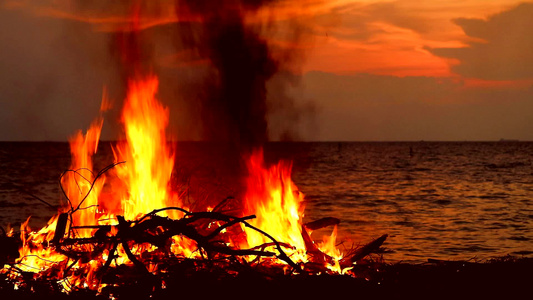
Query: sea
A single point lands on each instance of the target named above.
(435, 200)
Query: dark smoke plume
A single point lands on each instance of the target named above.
(230, 55)
(234, 104)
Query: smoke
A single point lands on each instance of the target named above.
(232, 98)
(215, 60)
(234, 104)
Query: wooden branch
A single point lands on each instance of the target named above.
(228, 224)
(321, 223)
(362, 252)
(282, 255)
(317, 256)
(61, 226)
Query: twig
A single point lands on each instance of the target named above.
(282, 255)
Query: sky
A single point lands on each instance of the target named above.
(357, 70)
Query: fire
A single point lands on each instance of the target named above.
(97, 231)
(149, 159)
(278, 205)
(80, 185)
(275, 200)
(128, 220)
(34, 257)
(144, 166)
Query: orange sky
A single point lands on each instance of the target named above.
(391, 37)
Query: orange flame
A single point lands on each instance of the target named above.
(78, 183)
(277, 203)
(145, 163)
(148, 156)
(275, 200)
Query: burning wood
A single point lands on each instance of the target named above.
(211, 232)
(80, 255)
(101, 238)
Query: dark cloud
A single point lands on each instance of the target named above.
(502, 49)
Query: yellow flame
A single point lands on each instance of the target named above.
(78, 183)
(149, 159)
(144, 185)
(275, 200)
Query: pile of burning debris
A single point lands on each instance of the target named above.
(92, 263)
(125, 226)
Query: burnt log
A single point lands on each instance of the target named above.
(61, 227)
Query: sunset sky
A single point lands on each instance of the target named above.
(362, 70)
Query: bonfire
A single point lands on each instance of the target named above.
(127, 225)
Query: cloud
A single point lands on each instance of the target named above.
(368, 107)
(501, 46)
(362, 22)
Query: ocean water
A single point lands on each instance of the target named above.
(442, 200)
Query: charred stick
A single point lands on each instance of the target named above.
(309, 245)
(104, 170)
(367, 249)
(176, 227)
(321, 223)
(124, 229)
(209, 215)
(70, 266)
(221, 204)
(110, 256)
(91, 226)
(265, 245)
(61, 226)
(138, 233)
(155, 211)
(91, 240)
(230, 251)
(316, 255)
(230, 223)
(134, 259)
